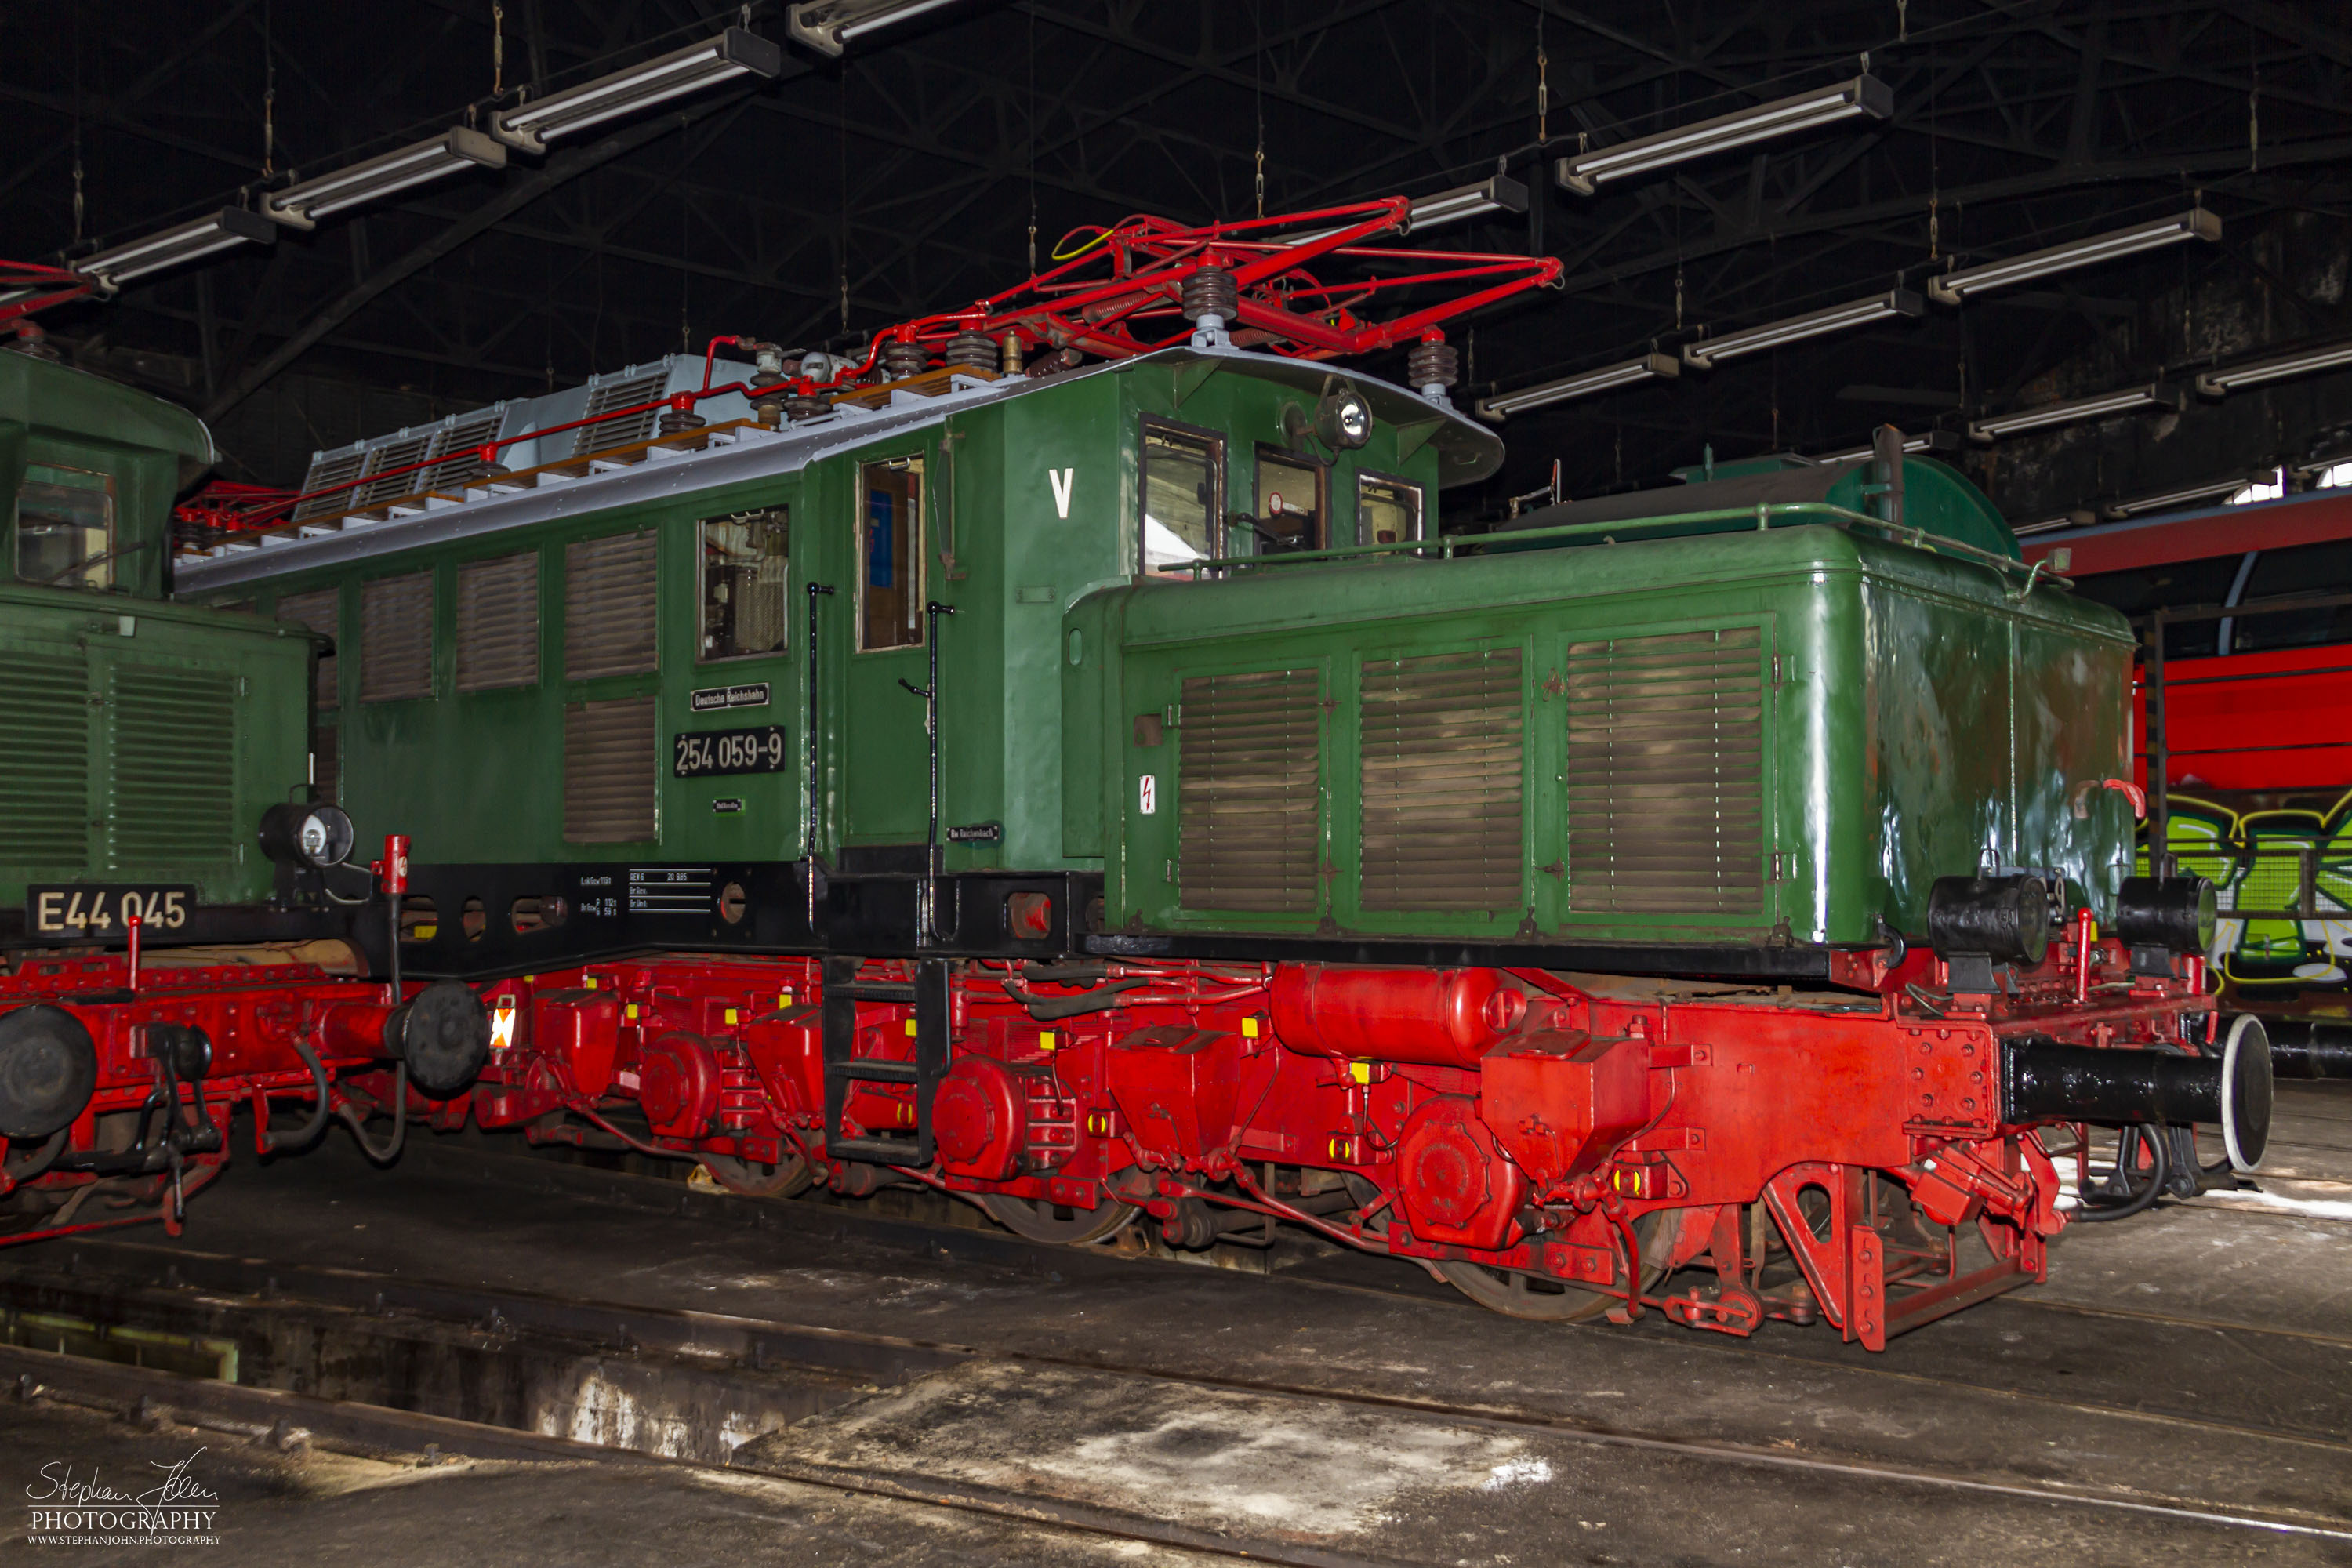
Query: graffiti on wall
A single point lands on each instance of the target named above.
(2254, 858)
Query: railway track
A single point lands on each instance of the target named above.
(1384, 1280)
(790, 1371)
(220, 1290)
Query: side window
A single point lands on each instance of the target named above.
(746, 559)
(1388, 511)
(1183, 491)
(890, 554)
(65, 528)
(1290, 503)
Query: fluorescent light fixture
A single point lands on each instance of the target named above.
(1865, 95)
(830, 27)
(1772, 334)
(1954, 288)
(2077, 518)
(2167, 499)
(732, 53)
(1500, 193)
(1927, 441)
(1647, 367)
(2156, 394)
(301, 206)
(2214, 383)
(218, 231)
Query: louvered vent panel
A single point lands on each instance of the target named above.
(498, 623)
(608, 771)
(171, 776)
(459, 446)
(396, 637)
(1247, 755)
(327, 764)
(608, 605)
(322, 612)
(45, 812)
(389, 456)
(1666, 759)
(611, 433)
(1442, 766)
(331, 468)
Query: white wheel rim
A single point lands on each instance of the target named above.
(2238, 1028)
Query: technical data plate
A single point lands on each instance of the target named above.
(704, 753)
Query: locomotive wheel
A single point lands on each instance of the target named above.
(1517, 1294)
(1058, 1223)
(752, 1180)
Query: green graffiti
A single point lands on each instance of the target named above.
(2253, 859)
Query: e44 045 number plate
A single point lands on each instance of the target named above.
(99, 909)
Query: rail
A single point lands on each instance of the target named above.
(1765, 515)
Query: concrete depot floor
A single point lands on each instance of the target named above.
(2198, 1357)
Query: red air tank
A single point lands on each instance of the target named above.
(1448, 1017)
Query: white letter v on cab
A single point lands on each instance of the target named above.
(1063, 480)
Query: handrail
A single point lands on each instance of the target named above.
(1763, 515)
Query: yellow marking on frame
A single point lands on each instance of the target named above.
(1249, 1028)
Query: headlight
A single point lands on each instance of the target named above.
(2175, 913)
(1343, 419)
(313, 836)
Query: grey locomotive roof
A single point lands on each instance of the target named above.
(1467, 452)
(1812, 482)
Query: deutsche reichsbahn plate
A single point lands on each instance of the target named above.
(701, 754)
(99, 909)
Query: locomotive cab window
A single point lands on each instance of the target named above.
(1290, 503)
(1182, 485)
(65, 528)
(745, 558)
(890, 554)
(1388, 511)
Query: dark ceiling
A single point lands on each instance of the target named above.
(908, 178)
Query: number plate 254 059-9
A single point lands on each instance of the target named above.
(703, 753)
(99, 909)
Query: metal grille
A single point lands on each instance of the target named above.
(1443, 746)
(395, 455)
(331, 468)
(1666, 759)
(322, 612)
(45, 808)
(396, 637)
(498, 623)
(170, 775)
(459, 447)
(1248, 755)
(608, 605)
(608, 771)
(628, 432)
(327, 764)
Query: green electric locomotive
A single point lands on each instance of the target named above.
(1198, 675)
(1102, 789)
(146, 735)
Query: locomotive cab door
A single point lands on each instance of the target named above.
(886, 756)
